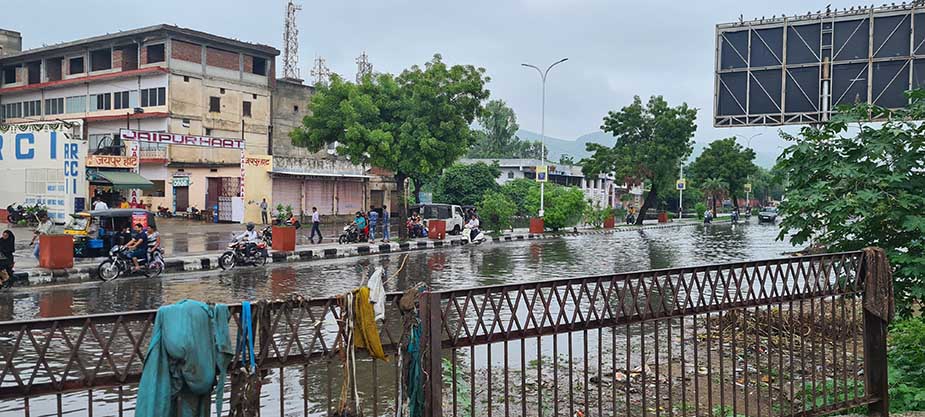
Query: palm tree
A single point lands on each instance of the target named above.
(715, 188)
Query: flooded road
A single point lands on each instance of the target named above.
(456, 267)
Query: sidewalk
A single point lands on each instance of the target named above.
(29, 274)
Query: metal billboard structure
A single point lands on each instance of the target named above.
(797, 69)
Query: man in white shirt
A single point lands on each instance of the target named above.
(316, 225)
(99, 204)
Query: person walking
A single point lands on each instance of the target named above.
(7, 248)
(316, 226)
(44, 228)
(99, 204)
(373, 221)
(386, 218)
(263, 210)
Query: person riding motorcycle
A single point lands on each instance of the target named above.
(360, 221)
(139, 246)
(249, 238)
(473, 226)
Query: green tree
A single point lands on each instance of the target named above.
(849, 191)
(714, 188)
(415, 124)
(496, 139)
(727, 161)
(651, 142)
(518, 191)
(766, 185)
(563, 206)
(565, 159)
(466, 184)
(496, 210)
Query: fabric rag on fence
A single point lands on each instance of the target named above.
(367, 333)
(189, 355)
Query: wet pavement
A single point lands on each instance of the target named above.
(456, 267)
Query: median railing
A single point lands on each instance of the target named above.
(800, 335)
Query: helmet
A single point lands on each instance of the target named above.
(250, 227)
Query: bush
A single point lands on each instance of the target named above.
(497, 211)
(563, 205)
(700, 208)
(517, 191)
(466, 184)
(906, 362)
(595, 216)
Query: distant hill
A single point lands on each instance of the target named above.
(576, 147)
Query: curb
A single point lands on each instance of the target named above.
(82, 273)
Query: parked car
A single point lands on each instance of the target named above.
(767, 214)
(452, 214)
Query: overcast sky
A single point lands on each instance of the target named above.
(616, 49)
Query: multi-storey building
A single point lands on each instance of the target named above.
(162, 79)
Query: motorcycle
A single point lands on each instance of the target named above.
(240, 252)
(164, 212)
(351, 235)
(479, 236)
(15, 213)
(120, 263)
(267, 235)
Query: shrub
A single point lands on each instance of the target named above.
(563, 205)
(700, 208)
(906, 362)
(497, 211)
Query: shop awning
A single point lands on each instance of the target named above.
(121, 180)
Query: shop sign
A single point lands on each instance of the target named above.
(177, 139)
(180, 181)
(111, 161)
(140, 217)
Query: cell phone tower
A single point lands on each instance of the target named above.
(291, 42)
(363, 67)
(320, 71)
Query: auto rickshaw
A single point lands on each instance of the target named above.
(95, 232)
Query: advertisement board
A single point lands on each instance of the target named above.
(44, 163)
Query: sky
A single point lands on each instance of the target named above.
(616, 49)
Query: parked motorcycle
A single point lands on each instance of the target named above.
(351, 235)
(120, 263)
(244, 253)
(17, 213)
(478, 238)
(267, 235)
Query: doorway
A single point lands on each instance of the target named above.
(181, 198)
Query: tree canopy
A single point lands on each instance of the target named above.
(847, 192)
(651, 142)
(497, 137)
(415, 124)
(563, 206)
(466, 184)
(726, 161)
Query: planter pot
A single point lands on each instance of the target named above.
(56, 251)
(663, 217)
(610, 222)
(537, 225)
(436, 229)
(284, 238)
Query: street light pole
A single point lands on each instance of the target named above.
(748, 177)
(543, 125)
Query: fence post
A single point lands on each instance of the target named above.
(433, 358)
(875, 272)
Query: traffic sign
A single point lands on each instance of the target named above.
(748, 187)
(542, 173)
(681, 184)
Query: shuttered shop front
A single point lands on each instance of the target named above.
(350, 196)
(288, 191)
(319, 193)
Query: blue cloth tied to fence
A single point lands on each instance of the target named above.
(189, 355)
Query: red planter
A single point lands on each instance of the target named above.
(4, 216)
(663, 217)
(284, 238)
(610, 222)
(56, 251)
(436, 229)
(537, 225)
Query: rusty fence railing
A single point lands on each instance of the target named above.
(787, 336)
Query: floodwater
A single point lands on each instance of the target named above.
(449, 268)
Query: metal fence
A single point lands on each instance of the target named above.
(766, 338)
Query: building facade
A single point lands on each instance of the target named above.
(163, 79)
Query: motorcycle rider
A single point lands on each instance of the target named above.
(138, 245)
(154, 239)
(473, 226)
(360, 221)
(248, 238)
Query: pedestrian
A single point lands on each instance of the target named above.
(44, 228)
(124, 203)
(373, 221)
(99, 204)
(263, 210)
(386, 218)
(7, 248)
(316, 225)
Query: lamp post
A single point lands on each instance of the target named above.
(543, 123)
(748, 145)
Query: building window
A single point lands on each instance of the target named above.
(186, 78)
(101, 101)
(247, 109)
(151, 97)
(76, 65)
(101, 59)
(208, 131)
(510, 174)
(54, 106)
(254, 96)
(295, 109)
(9, 74)
(76, 104)
(260, 66)
(221, 90)
(215, 105)
(32, 108)
(12, 110)
(155, 53)
(120, 100)
(155, 191)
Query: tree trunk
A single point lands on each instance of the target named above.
(649, 202)
(735, 202)
(402, 206)
(417, 191)
(714, 205)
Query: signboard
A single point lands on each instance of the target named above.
(140, 217)
(43, 163)
(177, 139)
(798, 69)
(542, 172)
(681, 184)
(180, 181)
(111, 161)
(748, 188)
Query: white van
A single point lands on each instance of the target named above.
(452, 214)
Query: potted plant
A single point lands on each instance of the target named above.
(284, 236)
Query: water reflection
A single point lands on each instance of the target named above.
(457, 267)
